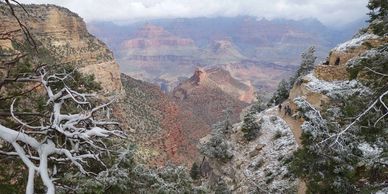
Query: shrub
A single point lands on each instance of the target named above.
(250, 127)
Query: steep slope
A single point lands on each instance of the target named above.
(209, 92)
(258, 166)
(164, 131)
(338, 123)
(342, 109)
(64, 33)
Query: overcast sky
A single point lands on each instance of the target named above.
(329, 12)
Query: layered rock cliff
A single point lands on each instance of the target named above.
(164, 131)
(64, 33)
(153, 54)
(209, 92)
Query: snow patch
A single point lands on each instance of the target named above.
(335, 89)
(355, 42)
(272, 172)
(369, 151)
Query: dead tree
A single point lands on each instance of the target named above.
(63, 137)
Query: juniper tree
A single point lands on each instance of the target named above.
(378, 9)
(194, 171)
(378, 16)
(281, 93)
(217, 146)
(306, 66)
(250, 127)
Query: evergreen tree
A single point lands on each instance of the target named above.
(281, 94)
(378, 16)
(378, 9)
(250, 127)
(218, 147)
(306, 65)
(194, 171)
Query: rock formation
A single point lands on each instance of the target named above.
(164, 131)
(157, 55)
(321, 103)
(64, 33)
(209, 92)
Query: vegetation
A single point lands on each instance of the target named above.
(125, 174)
(218, 146)
(250, 127)
(345, 144)
(306, 66)
(378, 16)
(195, 171)
(281, 93)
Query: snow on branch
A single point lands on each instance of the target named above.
(338, 136)
(82, 131)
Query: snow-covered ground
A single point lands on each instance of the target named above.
(279, 144)
(335, 89)
(355, 42)
(262, 162)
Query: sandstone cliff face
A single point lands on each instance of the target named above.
(164, 131)
(340, 55)
(151, 36)
(65, 34)
(209, 92)
(154, 54)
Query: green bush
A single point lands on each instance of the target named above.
(250, 127)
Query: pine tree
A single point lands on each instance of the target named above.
(306, 65)
(378, 16)
(378, 9)
(222, 187)
(250, 127)
(281, 93)
(194, 171)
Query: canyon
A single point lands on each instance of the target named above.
(193, 91)
(259, 51)
(165, 128)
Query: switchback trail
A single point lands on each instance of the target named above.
(294, 125)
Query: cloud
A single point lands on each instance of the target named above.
(329, 12)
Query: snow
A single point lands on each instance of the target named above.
(383, 191)
(355, 42)
(369, 151)
(266, 169)
(335, 89)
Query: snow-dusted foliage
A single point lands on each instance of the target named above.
(370, 152)
(314, 123)
(128, 176)
(217, 147)
(335, 89)
(382, 191)
(266, 171)
(344, 137)
(66, 136)
(353, 43)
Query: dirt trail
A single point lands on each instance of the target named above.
(294, 124)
